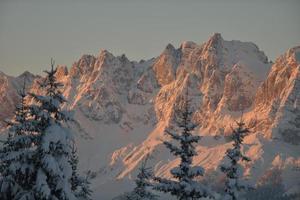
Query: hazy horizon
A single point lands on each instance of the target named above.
(31, 32)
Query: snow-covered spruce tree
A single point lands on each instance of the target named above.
(84, 191)
(232, 167)
(183, 185)
(53, 143)
(79, 185)
(141, 191)
(17, 169)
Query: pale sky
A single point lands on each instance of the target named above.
(33, 31)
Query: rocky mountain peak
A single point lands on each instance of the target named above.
(166, 64)
(26, 74)
(278, 98)
(215, 42)
(293, 56)
(169, 47)
(105, 54)
(83, 66)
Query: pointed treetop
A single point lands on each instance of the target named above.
(53, 69)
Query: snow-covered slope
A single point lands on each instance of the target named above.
(122, 108)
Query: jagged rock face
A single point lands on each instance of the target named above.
(169, 97)
(9, 87)
(166, 65)
(225, 69)
(83, 66)
(278, 98)
(147, 82)
(138, 97)
(228, 74)
(239, 90)
(284, 71)
(223, 78)
(102, 83)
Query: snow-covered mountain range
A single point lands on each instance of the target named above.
(122, 108)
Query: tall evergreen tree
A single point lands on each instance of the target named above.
(84, 191)
(141, 191)
(17, 170)
(53, 141)
(183, 185)
(232, 168)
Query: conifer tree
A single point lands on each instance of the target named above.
(53, 141)
(84, 191)
(183, 185)
(17, 170)
(233, 169)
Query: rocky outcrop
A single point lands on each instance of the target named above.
(278, 98)
(166, 64)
